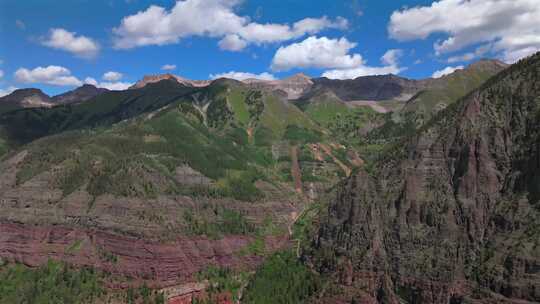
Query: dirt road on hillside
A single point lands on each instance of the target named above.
(295, 170)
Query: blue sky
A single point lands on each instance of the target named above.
(56, 45)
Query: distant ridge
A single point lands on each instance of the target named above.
(25, 98)
(80, 94)
(297, 86)
(294, 86)
(156, 78)
(35, 98)
(377, 87)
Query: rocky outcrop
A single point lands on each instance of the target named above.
(293, 87)
(184, 294)
(157, 78)
(452, 215)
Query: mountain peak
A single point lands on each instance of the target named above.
(80, 94)
(27, 92)
(147, 79)
(294, 86)
(487, 64)
(28, 98)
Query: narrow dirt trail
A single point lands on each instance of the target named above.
(250, 134)
(295, 170)
(328, 151)
(356, 160)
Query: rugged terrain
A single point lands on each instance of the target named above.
(191, 187)
(450, 215)
(156, 184)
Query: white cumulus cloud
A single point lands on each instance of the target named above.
(110, 85)
(168, 67)
(510, 27)
(112, 76)
(243, 75)
(52, 75)
(391, 57)
(61, 76)
(62, 39)
(210, 18)
(335, 55)
(446, 71)
(316, 52)
(115, 86)
(361, 71)
(90, 80)
(480, 51)
(233, 43)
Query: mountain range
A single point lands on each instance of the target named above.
(378, 189)
(35, 98)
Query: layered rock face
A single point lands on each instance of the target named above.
(451, 215)
(143, 239)
(159, 264)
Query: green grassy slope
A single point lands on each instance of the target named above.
(139, 157)
(342, 123)
(447, 90)
(130, 143)
(325, 109)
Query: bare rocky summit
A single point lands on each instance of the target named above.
(157, 78)
(27, 98)
(293, 87)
